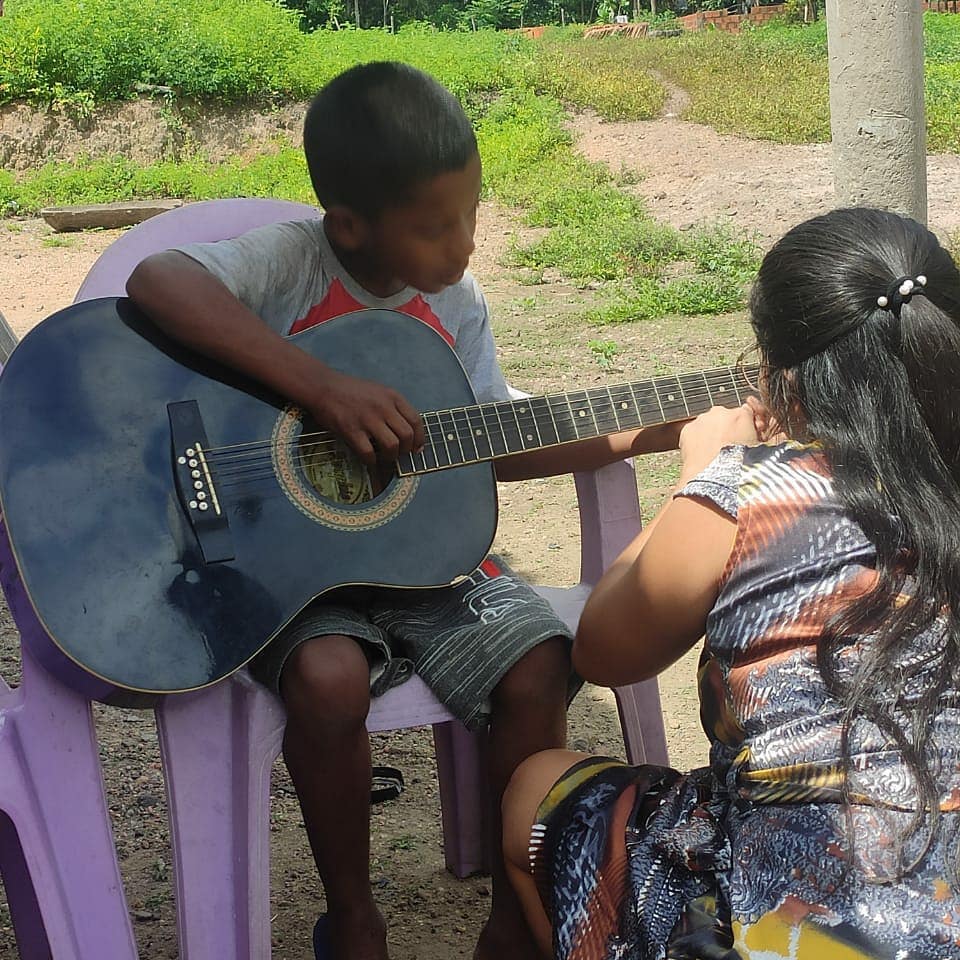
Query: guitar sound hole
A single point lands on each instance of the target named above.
(336, 474)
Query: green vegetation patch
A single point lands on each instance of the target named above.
(81, 52)
(772, 82)
(607, 77)
(596, 232)
(281, 175)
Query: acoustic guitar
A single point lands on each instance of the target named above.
(168, 517)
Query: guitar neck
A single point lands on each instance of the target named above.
(489, 431)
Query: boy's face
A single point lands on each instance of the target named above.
(426, 243)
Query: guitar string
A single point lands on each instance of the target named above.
(443, 436)
(439, 442)
(720, 377)
(494, 412)
(440, 432)
(252, 468)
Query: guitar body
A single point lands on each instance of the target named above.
(131, 580)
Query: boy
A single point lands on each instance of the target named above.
(394, 163)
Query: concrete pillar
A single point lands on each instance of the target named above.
(877, 116)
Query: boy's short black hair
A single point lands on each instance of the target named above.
(377, 131)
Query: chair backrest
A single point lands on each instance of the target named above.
(200, 222)
(8, 340)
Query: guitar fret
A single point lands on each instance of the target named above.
(683, 396)
(512, 435)
(468, 443)
(671, 405)
(436, 441)
(553, 419)
(495, 434)
(706, 383)
(579, 408)
(451, 436)
(545, 423)
(593, 416)
(479, 432)
(562, 417)
(523, 410)
(623, 403)
(616, 413)
(737, 390)
(647, 403)
(601, 409)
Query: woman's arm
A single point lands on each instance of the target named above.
(652, 604)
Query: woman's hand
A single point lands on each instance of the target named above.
(702, 439)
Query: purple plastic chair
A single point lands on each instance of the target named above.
(57, 856)
(218, 745)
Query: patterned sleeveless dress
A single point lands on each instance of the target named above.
(755, 856)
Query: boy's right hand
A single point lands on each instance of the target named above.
(375, 421)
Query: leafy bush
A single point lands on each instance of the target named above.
(86, 51)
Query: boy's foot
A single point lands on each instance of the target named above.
(506, 941)
(359, 934)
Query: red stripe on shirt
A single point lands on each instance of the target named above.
(336, 302)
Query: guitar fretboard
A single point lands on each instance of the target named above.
(487, 431)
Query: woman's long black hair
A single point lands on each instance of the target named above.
(879, 387)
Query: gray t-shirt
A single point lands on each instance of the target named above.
(288, 274)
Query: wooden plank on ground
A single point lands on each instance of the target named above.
(109, 215)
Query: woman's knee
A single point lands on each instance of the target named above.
(327, 678)
(531, 782)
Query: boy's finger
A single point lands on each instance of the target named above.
(403, 431)
(413, 418)
(362, 446)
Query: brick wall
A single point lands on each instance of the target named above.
(942, 6)
(722, 20)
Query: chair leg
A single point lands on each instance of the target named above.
(641, 718)
(28, 927)
(218, 748)
(463, 798)
(58, 842)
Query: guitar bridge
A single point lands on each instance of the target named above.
(195, 487)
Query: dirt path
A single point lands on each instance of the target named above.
(690, 173)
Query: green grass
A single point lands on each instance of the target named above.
(605, 77)
(282, 174)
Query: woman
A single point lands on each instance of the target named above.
(823, 568)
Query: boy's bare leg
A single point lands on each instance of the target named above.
(528, 714)
(326, 689)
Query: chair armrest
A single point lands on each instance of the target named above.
(609, 516)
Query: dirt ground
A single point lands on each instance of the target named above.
(688, 173)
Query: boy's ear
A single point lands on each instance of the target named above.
(345, 227)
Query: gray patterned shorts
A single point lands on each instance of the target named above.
(461, 640)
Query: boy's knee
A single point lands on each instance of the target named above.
(541, 675)
(327, 678)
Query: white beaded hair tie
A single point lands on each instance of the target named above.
(902, 290)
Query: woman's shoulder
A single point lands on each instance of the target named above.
(787, 457)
